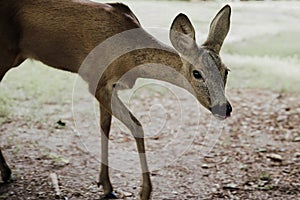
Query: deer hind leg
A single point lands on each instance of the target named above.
(7, 62)
(121, 112)
(105, 122)
(5, 171)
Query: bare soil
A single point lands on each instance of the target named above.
(256, 157)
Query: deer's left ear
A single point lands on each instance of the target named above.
(182, 34)
(219, 28)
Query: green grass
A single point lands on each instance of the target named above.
(283, 44)
(28, 88)
(38, 83)
(270, 62)
(4, 107)
(273, 73)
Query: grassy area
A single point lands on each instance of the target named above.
(269, 62)
(4, 109)
(37, 82)
(28, 89)
(284, 44)
(263, 47)
(274, 73)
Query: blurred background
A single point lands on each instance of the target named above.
(257, 157)
(262, 48)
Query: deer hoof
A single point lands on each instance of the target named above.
(110, 195)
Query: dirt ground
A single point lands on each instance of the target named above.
(256, 157)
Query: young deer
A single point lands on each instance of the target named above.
(62, 33)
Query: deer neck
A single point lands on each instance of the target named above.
(163, 64)
(131, 55)
(148, 58)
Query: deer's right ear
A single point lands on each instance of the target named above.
(182, 34)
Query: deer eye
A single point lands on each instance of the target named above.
(197, 74)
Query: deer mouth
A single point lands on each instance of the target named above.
(228, 115)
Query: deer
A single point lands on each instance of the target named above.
(61, 34)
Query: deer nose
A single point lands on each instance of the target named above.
(222, 111)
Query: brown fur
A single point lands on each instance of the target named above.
(62, 33)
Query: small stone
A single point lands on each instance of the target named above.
(77, 134)
(214, 190)
(262, 183)
(262, 150)
(205, 166)
(281, 118)
(127, 194)
(297, 139)
(297, 154)
(275, 157)
(243, 167)
(231, 186)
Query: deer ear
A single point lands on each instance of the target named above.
(219, 28)
(182, 34)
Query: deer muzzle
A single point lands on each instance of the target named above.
(222, 111)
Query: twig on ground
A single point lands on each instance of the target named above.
(54, 181)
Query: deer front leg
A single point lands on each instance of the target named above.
(105, 122)
(5, 171)
(146, 186)
(115, 106)
(120, 111)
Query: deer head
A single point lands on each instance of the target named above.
(202, 65)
